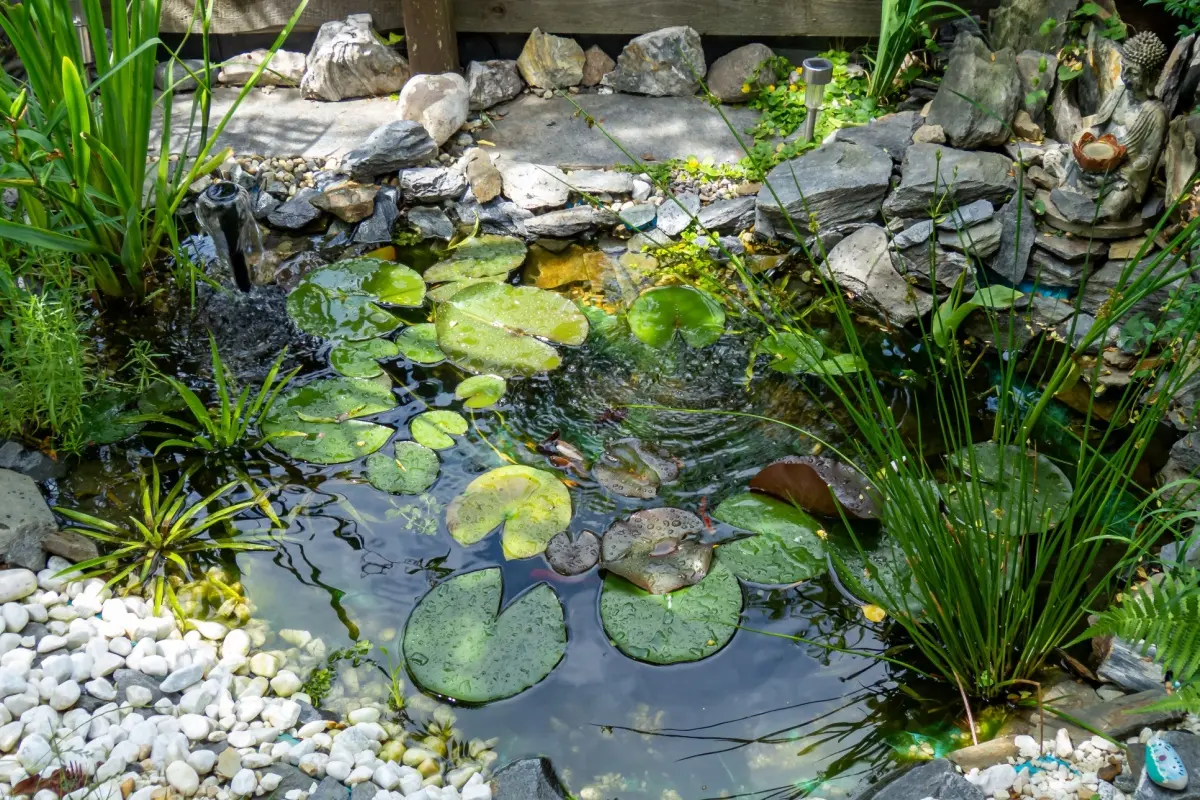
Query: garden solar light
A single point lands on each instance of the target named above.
(818, 72)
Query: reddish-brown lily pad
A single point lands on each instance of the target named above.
(657, 549)
(569, 555)
(819, 486)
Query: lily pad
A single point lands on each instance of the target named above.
(443, 292)
(481, 257)
(419, 344)
(412, 469)
(569, 555)
(657, 549)
(434, 428)
(328, 442)
(796, 353)
(658, 313)
(497, 328)
(632, 468)
(787, 548)
(883, 578)
(361, 359)
(533, 506)
(481, 391)
(1020, 490)
(686, 625)
(820, 485)
(320, 421)
(342, 301)
(458, 643)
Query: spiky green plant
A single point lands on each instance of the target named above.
(902, 24)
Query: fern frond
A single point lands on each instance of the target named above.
(1186, 699)
(1166, 617)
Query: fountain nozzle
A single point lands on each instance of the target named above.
(222, 214)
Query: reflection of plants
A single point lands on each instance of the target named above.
(156, 547)
(420, 517)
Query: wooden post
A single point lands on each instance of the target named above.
(429, 28)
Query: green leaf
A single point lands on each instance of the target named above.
(319, 422)
(1016, 492)
(481, 257)
(675, 628)
(481, 391)
(361, 359)
(327, 442)
(497, 328)
(335, 400)
(883, 578)
(434, 428)
(412, 470)
(531, 504)
(632, 468)
(104, 419)
(342, 301)
(459, 644)
(443, 292)
(787, 548)
(658, 313)
(419, 344)
(791, 353)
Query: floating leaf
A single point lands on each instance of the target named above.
(434, 428)
(361, 359)
(533, 505)
(328, 442)
(443, 292)
(481, 257)
(657, 549)
(341, 301)
(819, 485)
(632, 468)
(658, 313)
(412, 470)
(419, 344)
(686, 625)
(335, 400)
(787, 549)
(481, 391)
(459, 644)
(497, 328)
(319, 422)
(883, 578)
(573, 556)
(1021, 492)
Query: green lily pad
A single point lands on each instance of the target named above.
(434, 428)
(320, 421)
(883, 578)
(481, 391)
(497, 328)
(1016, 489)
(328, 442)
(361, 359)
(686, 625)
(657, 549)
(481, 257)
(443, 292)
(632, 468)
(787, 548)
(458, 643)
(658, 313)
(419, 344)
(533, 505)
(342, 301)
(412, 469)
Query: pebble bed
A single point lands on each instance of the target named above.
(94, 683)
(1060, 770)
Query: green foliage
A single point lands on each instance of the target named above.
(902, 24)
(1187, 10)
(321, 679)
(951, 313)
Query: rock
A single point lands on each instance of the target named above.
(985, 754)
(35, 464)
(64, 695)
(126, 679)
(1171, 79)
(966, 216)
(182, 678)
(348, 59)
(534, 187)
(1179, 157)
(492, 82)
(1071, 249)
(600, 181)
(551, 62)
(297, 213)
(1021, 24)
(182, 778)
(739, 68)
(641, 189)
(390, 147)
(1037, 72)
(229, 763)
(72, 546)
(934, 272)
(932, 779)
(677, 212)
(179, 77)
(16, 584)
(978, 95)
(485, 180)
(929, 134)
(528, 779)
(861, 264)
(1064, 119)
(892, 133)
(432, 184)
(347, 200)
(666, 62)
(728, 216)
(639, 216)
(1025, 128)
(441, 103)
(285, 69)
(1104, 280)
(431, 223)
(1124, 665)
(570, 222)
(1187, 745)
(1052, 272)
(931, 171)
(263, 204)
(837, 183)
(997, 778)
(498, 216)
(596, 64)
(25, 521)
(243, 783)
(1018, 232)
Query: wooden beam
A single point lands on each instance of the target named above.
(430, 35)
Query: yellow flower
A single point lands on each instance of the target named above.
(745, 88)
(795, 87)
(771, 88)
(874, 613)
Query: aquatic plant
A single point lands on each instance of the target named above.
(159, 544)
(531, 505)
(902, 24)
(322, 421)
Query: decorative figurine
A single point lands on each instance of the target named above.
(1164, 766)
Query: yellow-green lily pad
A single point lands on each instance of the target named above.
(482, 257)
(481, 391)
(345, 300)
(361, 359)
(434, 429)
(531, 504)
(419, 344)
(659, 312)
(411, 470)
(443, 292)
(786, 547)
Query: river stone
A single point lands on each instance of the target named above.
(25, 520)
(431, 223)
(892, 133)
(1021, 24)
(1019, 230)
(732, 71)
(666, 62)
(492, 82)
(673, 220)
(390, 147)
(937, 779)
(1038, 73)
(861, 264)
(569, 222)
(528, 779)
(431, 184)
(551, 62)
(733, 215)
(534, 186)
(596, 64)
(965, 175)
(985, 754)
(348, 59)
(441, 103)
(348, 201)
(184, 83)
(285, 69)
(485, 180)
(297, 213)
(377, 228)
(978, 95)
(600, 181)
(74, 547)
(838, 183)
(16, 584)
(34, 463)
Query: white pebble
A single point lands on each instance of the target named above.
(338, 769)
(243, 783)
(64, 695)
(138, 696)
(183, 778)
(202, 761)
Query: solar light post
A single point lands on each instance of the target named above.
(817, 74)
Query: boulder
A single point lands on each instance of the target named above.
(978, 95)
(485, 180)
(25, 521)
(441, 103)
(348, 201)
(1021, 24)
(892, 133)
(740, 68)
(551, 62)
(297, 213)
(390, 147)
(431, 223)
(930, 171)
(493, 82)
(1038, 73)
(861, 264)
(285, 69)
(534, 186)
(837, 183)
(733, 215)
(936, 779)
(180, 79)
(377, 228)
(348, 59)
(568, 222)
(666, 62)
(498, 215)
(33, 463)
(528, 779)
(1018, 231)
(432, 184)
(596, 65)
(675, 214)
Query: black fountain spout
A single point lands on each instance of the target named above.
(223, 213)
